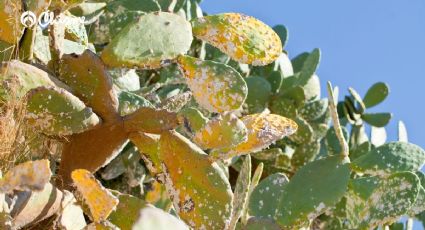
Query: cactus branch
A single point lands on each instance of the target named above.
(335, 120)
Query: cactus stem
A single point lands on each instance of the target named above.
(337, 125)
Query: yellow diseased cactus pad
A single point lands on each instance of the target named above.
(263, 130)
(223, 131)
(199, 189)
(215, 86)
(11, 28)
(28, 176)
(99, 200)
(244, 38)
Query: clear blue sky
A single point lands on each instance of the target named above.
(362, 42)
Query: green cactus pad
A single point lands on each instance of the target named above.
(305, 153)
(90, 81)
(127, 211)
(331, 141)
(256, 223)
(376, 94)
(310, 66)
(298, 61)
(131, 102)
(244, 38)
(377, 119)
(199, 189)
(44, 55)
(259, 92)
(314, 110)
(148, 146)
(221, 132)
(282, 32)
(192, 119)
(134, 45)
(254, 182)
(419, 205)
(391, 199)
(125, 80)
(241, 191)
(360, 108)
(21, 77)
(265, 198)
(59, 113)
(267, 154)
(215, 86)
(389, 158)
(150, 120)
(134, 5)
(284, 107)
(275, 80)
(304, 133)
(75, 30)
(364, 187)
(314, 188)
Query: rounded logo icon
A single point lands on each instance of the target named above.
(46, 18)
(28, 19)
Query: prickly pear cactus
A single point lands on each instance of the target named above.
(157, 115)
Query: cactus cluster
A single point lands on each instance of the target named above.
(165, 116)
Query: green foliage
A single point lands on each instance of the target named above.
(135, 46)
(161, 110)
(390, 158)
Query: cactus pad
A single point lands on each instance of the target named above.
(150, 120)
(215, 86)
(223, 131)
(376, 94)
(134, 45)
(28, 176)
(99, 200)
(259, 92)
(391, 199)
(188, 175)
(266, 197)
(389, 158)
(10, 25)
(314, 188)
(21, 77)
(263, 130)
(57, 112)
(87, 76)
(244, 38)
(241, 191)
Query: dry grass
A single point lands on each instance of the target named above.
(11, 133)
(19, 142)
